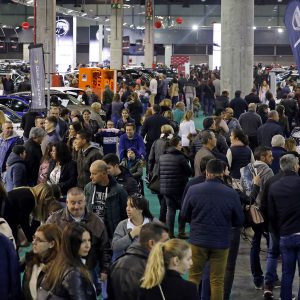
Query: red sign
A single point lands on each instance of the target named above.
(25, 25)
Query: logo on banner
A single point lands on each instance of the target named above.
(62, 27)
(296, 23)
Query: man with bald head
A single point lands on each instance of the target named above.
(266, 131)
(250, 121)
(105, 197)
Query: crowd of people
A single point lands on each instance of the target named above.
(74, 187)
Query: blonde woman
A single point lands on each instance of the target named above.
(264, 88)
(186, 128)
(166, 264)
(2, 119)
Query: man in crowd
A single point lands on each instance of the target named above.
(131, 139)
(222, 102)
(87, 153)
(252, 97)
(39, 122)
(28, 121)
(153, 90)
(8, 139)
(126, 273)
(250, 121)
(76, 211)
(34, 154)
(51, 134)
(121, 174)
(105, 197)
(62, 126)
(284, 214)
(266, 131)
(238, 104)
(212, 209)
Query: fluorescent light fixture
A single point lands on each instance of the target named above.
(17, 27)
(106, 20)
(84, 14)
(97, 18)
(195, 27)
(124, 24)
(254, 27)
(280, 30)
(269, 27)
(30, 17)
(107, 29)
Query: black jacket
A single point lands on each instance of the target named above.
(252, 98)
(28, 121)
(174, 171)
(267, 131)
(68, 175)
(174, 287)
(136, 110)
(291, 107)
(221, 103)
(284, 204)
(74, 286)
(126, 273)
(239, 106)
(126, 180)
(33, 159)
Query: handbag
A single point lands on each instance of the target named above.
(154, 184)
(161, 292)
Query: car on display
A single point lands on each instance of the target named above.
(17, 104)
(287, 75)
(16, 75)
(14, 118)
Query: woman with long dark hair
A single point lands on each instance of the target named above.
(129, 229)
(68, 276)
(62, 169)
(45, 247)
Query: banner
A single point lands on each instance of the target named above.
(292, 24)
(37, 76)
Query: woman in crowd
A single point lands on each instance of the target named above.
(135, 108)
(166, 264)
(174, 91)
(187, 128)
(158, 148)
(129, 229)
(45, 247)
(116, 109)
(88, 124)
(44, 164)
(68, 277)
(73, 129)
(165, 105)
(124, 120)
(264, 88)
(169, 115)
(290, 145)
(62, 169)
(239, 154)
(98, 114)
(33, 204)
(283, 120)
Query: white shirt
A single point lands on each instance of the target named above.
(185, 128)
(153, 86)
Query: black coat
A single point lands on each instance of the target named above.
(68, 175)
(33, 159)
(174, 287)
(27, 122)
(126, 273)
(252, 98)
(174, 172)
(136, 110)
(239, 106)
(266, 131)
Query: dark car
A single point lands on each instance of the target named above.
(17, 104)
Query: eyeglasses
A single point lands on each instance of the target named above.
(38, 240)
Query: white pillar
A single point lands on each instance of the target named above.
(149, 43)
(45, 31)
(237, 48)
(74, 64)
(25, 52)
(116, 36)
(168, 54)
(101, 27)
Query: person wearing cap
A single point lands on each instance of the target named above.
(250, 121)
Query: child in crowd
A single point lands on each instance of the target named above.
(196, 106)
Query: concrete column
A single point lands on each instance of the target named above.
(74, 63)
(168, 54)
(116, 36)
(101, 35)
(25, 52)
(237, 46)
(45, 31)
(149, 43)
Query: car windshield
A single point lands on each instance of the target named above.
(10, 114)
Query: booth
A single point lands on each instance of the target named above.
(97, 79)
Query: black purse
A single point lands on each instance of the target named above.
(154, 184)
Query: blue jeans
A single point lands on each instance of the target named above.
(230, 268)
(272, 257)
(256, 270)
(290, 254)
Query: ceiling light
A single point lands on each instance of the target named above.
(280, 30)
(107, 29)
(254, 27)
(84, 14)
(269, 27)
(195, 27)
(97, 18)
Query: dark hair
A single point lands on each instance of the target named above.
(18, 149)
(68, 256)
(261, 151)
(86, 110)
(151, 231)
(111, 159)
(215, 166)
(156, 108)
(63, 154)
(64, 112)
(269, 95)
(280, 109)
(77, 126)
(86, 135)
(240, 135)
(139, 202)
(206, 136)
(203, 163)
(39, 117)
(129, 125)
(208, 122)
(237, 93)
(54, 101)
(52, 119)
(174, 141)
